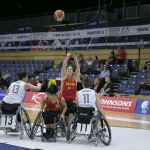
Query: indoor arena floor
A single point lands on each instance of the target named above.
(129, 132)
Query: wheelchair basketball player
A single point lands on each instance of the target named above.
(53, 106)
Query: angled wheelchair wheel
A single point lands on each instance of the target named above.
(71, 130)
(103, 130)
(39, 122)
(26, 122)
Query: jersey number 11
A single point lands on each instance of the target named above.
(86, 98)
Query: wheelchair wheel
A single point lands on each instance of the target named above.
(26, 122)
(103, 130)
(71, 130)
(38, 123)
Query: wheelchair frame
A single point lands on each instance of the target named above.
(97, 120)
(59, 126)
(25, 123)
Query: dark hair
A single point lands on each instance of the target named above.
(53, 89)
(86, 82)
(21, 75)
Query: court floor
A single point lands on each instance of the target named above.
(129, 132)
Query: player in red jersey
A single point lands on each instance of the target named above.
(69, 85)
(53, 105)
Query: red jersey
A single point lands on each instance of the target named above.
(69, 89)
(53, 106)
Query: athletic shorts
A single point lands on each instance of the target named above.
(49, 117)
(71, 108)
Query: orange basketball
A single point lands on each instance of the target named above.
(59, 15)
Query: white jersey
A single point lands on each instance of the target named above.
(87, 98)
(16, 93)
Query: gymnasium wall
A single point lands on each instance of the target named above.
(59, 56)
(144, 56)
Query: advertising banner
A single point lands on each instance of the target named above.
(2, 94)
(118, 104)
(34, 97)
(143, 107)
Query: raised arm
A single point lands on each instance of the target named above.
(77, 72)
(32, 87)
(63, 70)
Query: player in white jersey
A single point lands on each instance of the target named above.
(16, 91)
(88, 97)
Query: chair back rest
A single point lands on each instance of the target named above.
(9, 115)
(84, 122)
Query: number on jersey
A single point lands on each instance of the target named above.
(16, 89)
(86, 98)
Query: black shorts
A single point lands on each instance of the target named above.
(71, 108)
(49, 117)
(7, 104)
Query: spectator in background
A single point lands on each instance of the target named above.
(97, 86)
(5, 78)
(89, 62)
(107, 65)
(79, 58)
(121, 56)
(111, 59)
(36, 81)
(85, 68)
(107, 88)
(79, 83)
(104, 74)
(145, 86)
(99, 69)
(146, 66)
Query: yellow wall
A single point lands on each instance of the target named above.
(144, 56)
(59, 56)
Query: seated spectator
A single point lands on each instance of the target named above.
(145, 86)
(107, 88)
(36, 81)
(104, 74)
(111, 59)
(79, 83)
(89, 62)
(121, 56)
(99, 69)
(146, 66)
(5, 78)
(97, 86)
(85, 68)
(107, 65)
(79, 58)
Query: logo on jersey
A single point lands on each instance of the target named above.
(37, 98)
(70, 84)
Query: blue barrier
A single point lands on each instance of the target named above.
(2, 94)
(142, 107)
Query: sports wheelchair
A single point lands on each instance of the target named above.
(14, 118)
(59, 127)
(89, 123)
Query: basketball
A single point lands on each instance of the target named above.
(59, 15)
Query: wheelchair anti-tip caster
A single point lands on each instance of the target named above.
(54, 140)
(21, 137)
(69, 142)
(42, 140)
(95, 144)
(6, 133)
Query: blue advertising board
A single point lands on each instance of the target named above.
(2, 94)
(142, 107)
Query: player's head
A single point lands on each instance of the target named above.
(86, 83)
(70, 71)
(51, 91)
(22, 76)
(96, 82)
